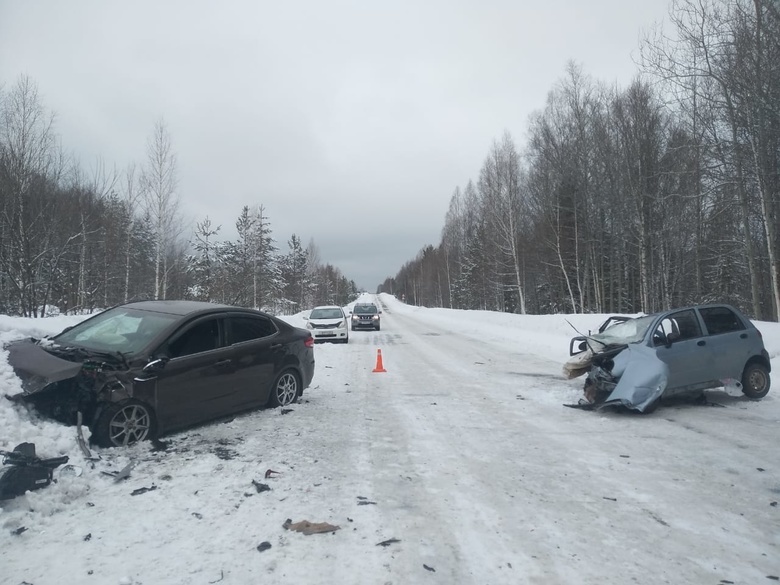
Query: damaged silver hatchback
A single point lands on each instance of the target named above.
(635, 362)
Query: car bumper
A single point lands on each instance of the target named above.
(329, 334)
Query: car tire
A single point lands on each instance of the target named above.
(755, 380)
(377, 327)
(125, 423)
(285, 389)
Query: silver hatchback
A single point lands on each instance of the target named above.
(635, 362)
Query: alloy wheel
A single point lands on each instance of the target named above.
(129, 425)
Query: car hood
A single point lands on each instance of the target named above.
(37, 368)
(642, 378)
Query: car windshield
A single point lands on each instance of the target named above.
(365, 309)
(120, 329)
(330, 313)
(630, 331)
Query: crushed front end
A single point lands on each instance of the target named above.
(60, 382)
(620, 371)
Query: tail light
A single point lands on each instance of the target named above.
(309, 342)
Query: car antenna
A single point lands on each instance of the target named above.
(585, 337)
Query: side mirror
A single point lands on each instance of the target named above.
(305, 318)
(671, 338)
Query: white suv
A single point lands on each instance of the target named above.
(328, 323)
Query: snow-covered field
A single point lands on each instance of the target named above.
(457, 465)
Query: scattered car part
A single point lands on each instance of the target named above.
(27, 472)
(306, 527)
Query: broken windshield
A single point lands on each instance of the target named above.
(120, 329)
(630, 331)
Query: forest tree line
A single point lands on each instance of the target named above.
(662, 194)
(77, 242)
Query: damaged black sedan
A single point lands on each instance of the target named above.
(141, 370)
(636, 362)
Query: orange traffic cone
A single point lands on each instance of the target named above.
(379, 367)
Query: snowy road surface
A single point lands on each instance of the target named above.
(461, 450)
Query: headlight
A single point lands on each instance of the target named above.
(341, 325)
(355, 318)
(309, 325)
(376, 317)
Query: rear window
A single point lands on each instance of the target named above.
(721, 320)
(250, 328)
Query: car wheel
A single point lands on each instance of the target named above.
(755, 380)
(285, 389)
(377, 327)
(125, 423)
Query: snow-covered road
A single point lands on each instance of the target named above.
(461, 450)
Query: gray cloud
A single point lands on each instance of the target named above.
(352, 122)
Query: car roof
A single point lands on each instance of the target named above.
(327, 307)
(179, 307)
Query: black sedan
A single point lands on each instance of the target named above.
(144, 369)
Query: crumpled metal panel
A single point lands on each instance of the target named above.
(642, 378)
(37, 368)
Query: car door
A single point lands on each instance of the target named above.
(688, 356)
(729, 341)
(258, 355)
(195, 384)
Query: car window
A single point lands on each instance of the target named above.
(203, 336)
(686, 323)
(250, 328)
(326, 314)
(365, 309)
(720, 320)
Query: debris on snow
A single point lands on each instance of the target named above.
(388, 542)
(306, 527)
(271, 473)
(143, 490)
(265, 545)
(427, 568)
(123, 473)
(261, 487)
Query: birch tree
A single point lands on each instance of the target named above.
(159, 182)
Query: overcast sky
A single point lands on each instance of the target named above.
(351, 122)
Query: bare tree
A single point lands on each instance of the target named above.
(159, 182)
